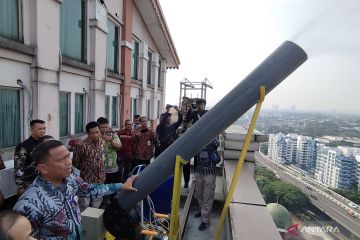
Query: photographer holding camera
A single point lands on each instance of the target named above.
(166, 131)
(193, 116)
(143, 144)
(112, 144)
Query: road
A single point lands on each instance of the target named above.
(326, 204)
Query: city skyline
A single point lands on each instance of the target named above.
(228, 40)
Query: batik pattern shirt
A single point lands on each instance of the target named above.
(89, 159)
(24, 167)
(143, 144)
(111, 155)
(53, 211)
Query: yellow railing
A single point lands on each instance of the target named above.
(240, 164)
(175, 203)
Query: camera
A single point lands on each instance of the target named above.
(193, 105)
(109, 133)
(144, 130)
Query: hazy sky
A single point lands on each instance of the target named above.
(225, 40)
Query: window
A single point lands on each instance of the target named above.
(72, 29)
(158, 108)
(64, 114)
(135, 60)
(114, 112)
(79, 113)
(159, 74)
(9, 19)
(149, 68)
(148, 106)
(112, 47)
(9, 118)
(107, 107)
(133, 106)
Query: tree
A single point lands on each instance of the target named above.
(274, 190)
(261, 181)
(262, 171)
(352, 194)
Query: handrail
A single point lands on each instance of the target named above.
(240, 164)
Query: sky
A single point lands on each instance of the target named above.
(225, 40)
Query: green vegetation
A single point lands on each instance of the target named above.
(274, 190)
(352, 194)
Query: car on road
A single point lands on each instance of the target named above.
(308, 187)
(314, 197)
(351, 213)
(353, 205)
(328, 191)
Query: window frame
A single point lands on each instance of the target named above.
(158, 108)
(84, 25)
(20, 26)
(148, 108)
(134, 107)
(149, 68)
(68, 130)
(116, 98)
(21, 115)
(116, 47)
(159, 74)
(84, 113)
(135, 61)
(107, 106)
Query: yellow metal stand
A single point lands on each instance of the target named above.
(240, 164)
(175, 204)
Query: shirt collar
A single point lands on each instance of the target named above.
(48, 186)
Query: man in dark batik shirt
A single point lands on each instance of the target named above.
(51, 202)
(24, 168)
(89, 158)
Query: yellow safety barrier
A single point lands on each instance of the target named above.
(240, 164)
(108, 236)
(175, 203)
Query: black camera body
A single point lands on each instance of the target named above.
(109, 133)
(144, 130)
(193, 105)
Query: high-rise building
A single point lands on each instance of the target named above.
(291, 143)
(329, 166)
(305, 152)
(357, 157)
(320, 163)
(336, 168)
(277, 148)
(293, 148)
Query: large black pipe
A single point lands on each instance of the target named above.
(274, 69)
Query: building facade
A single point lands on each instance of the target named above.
(277, 148)
(291, 143)
(336, 168)
(357, 157)
(305, 152)
(69, 62)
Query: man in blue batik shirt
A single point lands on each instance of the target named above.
(51, 202)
